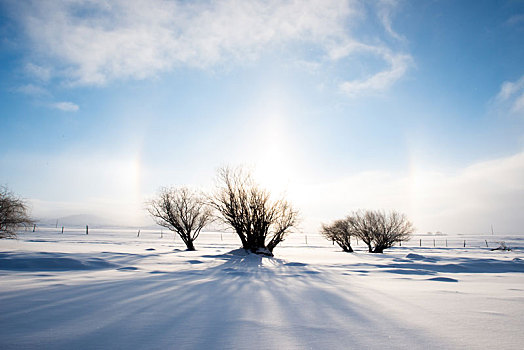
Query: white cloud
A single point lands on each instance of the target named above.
(93, 42)
(66, 106)
(398, 65)
(508, 89)
(39, 72)
(468, 200)
(33, 90)
(518, 105)
(511, 96)
(137, 39)
(385, 13)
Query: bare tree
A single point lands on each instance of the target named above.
(338, 232)
(13, 213)
(182, 211)
(378, 229)
(260, 222)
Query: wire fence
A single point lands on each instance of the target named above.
(294, 239)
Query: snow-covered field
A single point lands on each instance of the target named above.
(113, 290)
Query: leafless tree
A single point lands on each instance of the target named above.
(378, 229)
(182, 211)
(13, 213)
(260, 222)
(338, 232)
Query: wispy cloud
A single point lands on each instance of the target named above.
(91, 43)
(398, 64)
(518, 105)
(66, 106)
(385, 14)
(511, 96)
(515, 19)
(32, 90)
(39, 72)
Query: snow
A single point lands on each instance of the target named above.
(112, 289)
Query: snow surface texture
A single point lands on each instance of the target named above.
(114, 290)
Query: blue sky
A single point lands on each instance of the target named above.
(410, 105)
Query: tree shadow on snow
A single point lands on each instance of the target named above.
(244, 301)
(419, 265)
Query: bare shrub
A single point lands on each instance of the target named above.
(502, 246)
(338, 232)
(378, 229)
(182, 211)
(260, 222)
(13, 213)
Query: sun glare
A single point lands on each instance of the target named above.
(274, 167)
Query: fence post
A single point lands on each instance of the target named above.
(433, 242)
(464, 243)
(420, 243)
(62, 229)
(486, 242)
(138, 234)
(87, 229)
(400, 243)
(34, 227)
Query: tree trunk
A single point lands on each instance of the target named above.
(347, 249)
(263, 251)
(242, 239)
(378, 249)
(189, 245)
(259, 249)
(271, 246)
